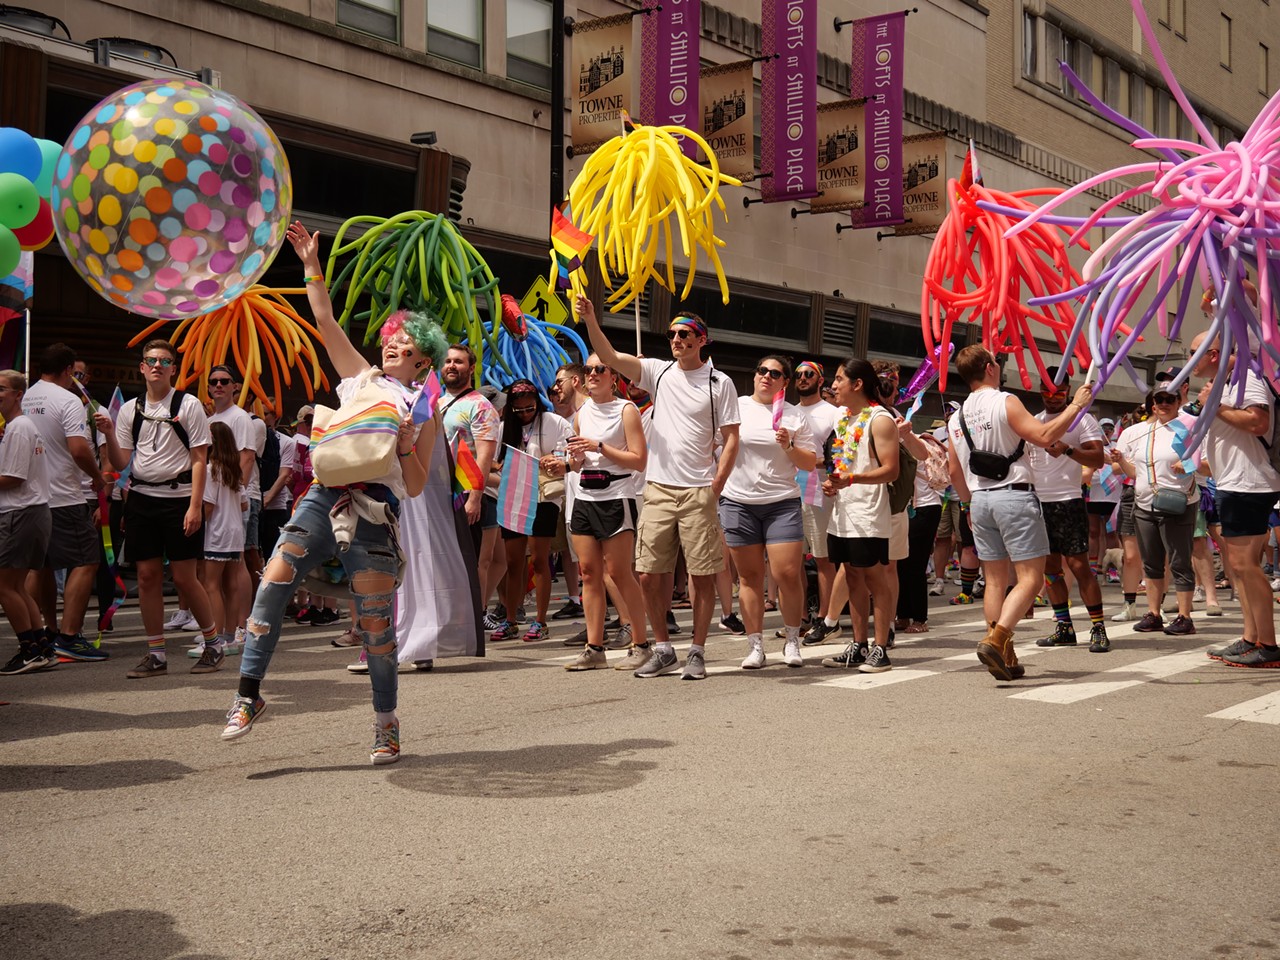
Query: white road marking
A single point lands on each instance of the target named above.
(1264, 709)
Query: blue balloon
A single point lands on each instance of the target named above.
(20, 154)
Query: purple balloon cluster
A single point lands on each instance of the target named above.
(1217, 218)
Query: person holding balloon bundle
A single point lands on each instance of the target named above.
(357, 521)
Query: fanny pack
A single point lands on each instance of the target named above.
(984, 463)
(598, 479)
(179, 480)
(1170, 501)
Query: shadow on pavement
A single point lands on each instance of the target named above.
(55, 931)
(16, 778)
(555, 770)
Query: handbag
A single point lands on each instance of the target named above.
(357, 442)
(1168, 501)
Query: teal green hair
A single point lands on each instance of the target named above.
(422, 329)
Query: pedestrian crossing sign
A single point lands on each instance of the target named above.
(545, 306)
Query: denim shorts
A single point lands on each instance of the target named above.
(753, 524)
(1008, 525)
(252, 516)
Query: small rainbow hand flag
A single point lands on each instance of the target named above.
(424, 404)
(466, 472)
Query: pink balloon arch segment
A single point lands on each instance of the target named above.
(171, 198)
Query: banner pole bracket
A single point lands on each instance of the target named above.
(840, 24)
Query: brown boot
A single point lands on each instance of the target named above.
(996, 653)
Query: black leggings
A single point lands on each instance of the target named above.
(913, 588)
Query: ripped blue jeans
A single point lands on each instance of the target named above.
(307, 541)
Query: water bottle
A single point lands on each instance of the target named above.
(561, 451)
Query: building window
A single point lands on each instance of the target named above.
(1137, 99)
(1029, 47)
(1112, 80)
(1164, 14)
(1178, 17)
(454, 29)
(1160, 103)
(378, 17)
(529, 42)
(1224, 41)
(1264, 70)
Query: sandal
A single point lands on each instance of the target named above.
(770, 606)
(680, 601)
(917, 627)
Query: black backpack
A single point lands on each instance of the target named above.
(175, 405)
(269, 462)
(1271, 443)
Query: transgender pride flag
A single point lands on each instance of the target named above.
(518, 492)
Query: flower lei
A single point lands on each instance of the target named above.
(845, 445)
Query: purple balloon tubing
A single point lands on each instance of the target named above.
(1217, 216)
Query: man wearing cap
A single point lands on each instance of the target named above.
(1008, 527)
(1247, 485)
(821, 417)
(1057, 473)
(692, 407)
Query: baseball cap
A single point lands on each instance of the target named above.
(1168, 374)
(306, 410)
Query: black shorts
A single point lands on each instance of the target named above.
(544, 523)
(1126, 526)
(966, 531)
(602, 519)
(74, 540)
(1101, 508)
(488, 513)
(857, 551)
(1244, 514)
(153, 526)
(1067, 523)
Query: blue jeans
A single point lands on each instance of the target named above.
(307, 541)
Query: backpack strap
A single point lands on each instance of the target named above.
(1013, 458)
(175, 407)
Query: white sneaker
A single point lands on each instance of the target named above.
(1126, 614)
(236, 646)
(791, 653)
(1275, 585)
(1198, 596)
(181, 620)
(755, 659)
(937, 588)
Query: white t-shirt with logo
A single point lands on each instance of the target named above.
(1239, 461)
(59, 415)
(1058, 478)
(22, 454)
(159, 454)
(1149, 447)
(288, 461)
(681, 443)
(987, 418)
(763, 472)
(224, 530)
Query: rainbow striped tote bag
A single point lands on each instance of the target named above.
(357, 442)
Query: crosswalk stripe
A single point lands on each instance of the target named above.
(1264, 709)
(1158, 668)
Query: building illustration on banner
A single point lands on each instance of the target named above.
(839, 143)
(724, 111)
(600, 70)
(920, 172)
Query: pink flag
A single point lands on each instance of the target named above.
(779, 401)
(518, 492)
(424, 405)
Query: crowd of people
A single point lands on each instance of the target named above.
(659, 485)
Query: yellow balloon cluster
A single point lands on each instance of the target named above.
(627, 194)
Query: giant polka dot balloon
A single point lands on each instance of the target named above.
(171, 198)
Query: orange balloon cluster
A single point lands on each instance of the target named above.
(974, 273)
(257, 324)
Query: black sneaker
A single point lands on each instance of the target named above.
(613, 624)
(210, 659)
(854, 655)
(1098, 640)
(1180, 627)
(78, 648)
(877, 660)
(151, 666)
(1259, 656)
(30, 658)
(672, 627)
(821, 633)
(571, 609)
(579, 639)
(1064, 635)
(1150, 623)
(1234, 649)
(733, 625)
(324, 617)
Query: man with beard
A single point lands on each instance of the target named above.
(1057, 472)
(833, 594)
(466, 413)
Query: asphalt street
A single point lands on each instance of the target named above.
(1106, 806)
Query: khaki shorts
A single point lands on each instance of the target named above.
(899, 525)
(816, 520)
(675, 517)
(949, 524)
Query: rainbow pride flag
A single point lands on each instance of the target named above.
(380, 417)
(518, 492)
(466, 472)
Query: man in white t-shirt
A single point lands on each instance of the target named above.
(53, 406)
(833, 594)
(277, 498)
(988, 435)
(1058, 473)
(168, 437)
(1247, 485)
(692, 407)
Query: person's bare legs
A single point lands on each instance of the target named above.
(1202, 563)
(19, 606)
(656, 588)
(750, 563)
(619, 552)
(704, 597)
(882, 581)
(1252, 587)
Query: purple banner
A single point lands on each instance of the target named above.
(789, 100)
(877, 75)
(670, 36)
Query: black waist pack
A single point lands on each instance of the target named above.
(993, 466)
(598, 479)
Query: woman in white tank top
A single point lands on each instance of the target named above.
(609, 452)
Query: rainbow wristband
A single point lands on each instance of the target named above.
(316, 279)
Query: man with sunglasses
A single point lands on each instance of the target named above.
(692, 408)
(1058, 473)
(821, 417)
(164, 513)
(568, 392)
(1247, 485)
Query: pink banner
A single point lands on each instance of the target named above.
(789, 100)
(878, 60)
(670, 66)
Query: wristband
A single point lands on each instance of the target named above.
(316, 279)
(409, 454)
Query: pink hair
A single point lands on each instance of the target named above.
(393, 325)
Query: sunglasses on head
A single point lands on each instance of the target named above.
(763, 371)
(165, 362)
(681, 332)
(220, 382)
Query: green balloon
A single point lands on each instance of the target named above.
(10, 251)
(19, 201)
(50, 152)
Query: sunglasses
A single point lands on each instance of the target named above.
(805, 374)
(681, 332)
(772, 374)
(165, 362)
(524, 410)
(80, 377)
(597, 368)
(1050, 394)
(1164, 398)
(221, 382)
